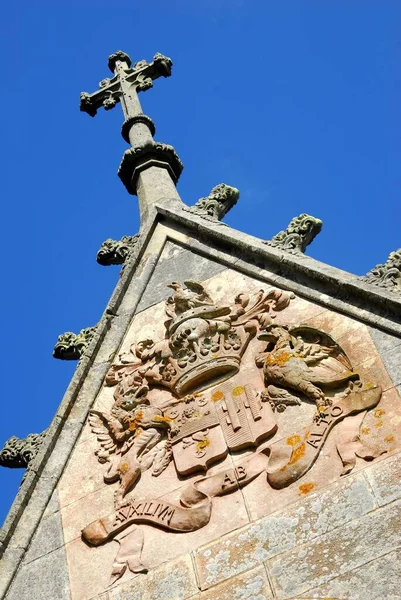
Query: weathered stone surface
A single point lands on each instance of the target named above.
(45, 578)
(173, 581)
(384, 342)
(337, 552)
(392, 362)
(176, 264)
(8, 562)
(287, 529)
(252, 585)
(385, 478)
(48, 537)
(377, 580)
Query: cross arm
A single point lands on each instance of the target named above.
(140, 76)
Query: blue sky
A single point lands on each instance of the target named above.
(296, 103)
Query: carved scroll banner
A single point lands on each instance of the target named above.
(283, 462)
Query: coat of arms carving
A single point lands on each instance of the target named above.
(211, 406)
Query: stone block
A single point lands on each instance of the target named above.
(172, 581)
(314, 516)
(77, 515)
(90, 568)
(337, 552)
(252, 585)
(385, 478)
(53, 505)
(377, 580)
(45, 578)
(117, 326)
(82, 475)
(48, 537)
(176, 264)
(9, 562)
(384, 342)
(32, 513)
(392, 362)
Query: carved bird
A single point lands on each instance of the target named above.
(192, 296)
(305, 360)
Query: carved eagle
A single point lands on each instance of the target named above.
(188, 297)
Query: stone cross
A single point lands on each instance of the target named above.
(144, 165)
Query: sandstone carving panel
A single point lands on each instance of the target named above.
(188, 399)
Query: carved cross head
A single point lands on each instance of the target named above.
(125, 81)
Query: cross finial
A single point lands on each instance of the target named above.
(138, 129)
(125, 84)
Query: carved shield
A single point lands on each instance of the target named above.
(200, 440)
(244, 418)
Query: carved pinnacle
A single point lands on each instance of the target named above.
(299, 234)
(115, 252)
(388, 275)
(71, 346)
(19, 453)
(217, 204)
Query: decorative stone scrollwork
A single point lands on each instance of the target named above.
(19, 453)
(71, 346)
(150, 154)
(299, 234)
(217, 204)
(387, 276)
(115, 252)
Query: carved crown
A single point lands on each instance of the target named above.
(204, 341)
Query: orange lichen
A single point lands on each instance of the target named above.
(237, 391)
(203, 444)
(279, 358)
(135, 421)
(161, 419)
(306, 488)
(124, 468)
(297, 454)
(365, 430)
(389, 438)
(216, 396)
(378, 424)
(293, 440)
(379, 412)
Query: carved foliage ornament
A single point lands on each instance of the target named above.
(19, 453)
(387, 276)
(299, 234)
(210, 407)
(217, 204)
(115, 252)
(71, 346)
